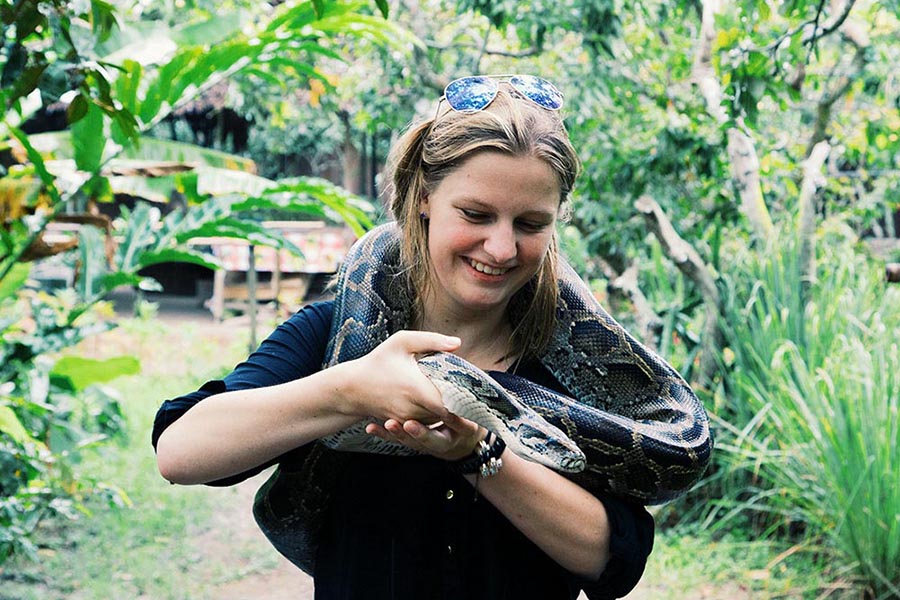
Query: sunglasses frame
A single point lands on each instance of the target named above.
(519, 86)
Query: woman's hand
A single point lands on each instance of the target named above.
(387, 384)
(452, 439)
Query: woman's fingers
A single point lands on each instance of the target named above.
(424, 342)
(393, 431)
(460, 425)
(453, 439)
(390, 384)
(407, 404)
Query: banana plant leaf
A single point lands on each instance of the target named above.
(58, 146)
(179, 255)
(83, 372)
(316, 195)
(14, 280)
(11, 426)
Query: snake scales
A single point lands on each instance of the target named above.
(632, 427)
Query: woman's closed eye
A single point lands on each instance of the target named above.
(531, 226)
(526, 225)
(474, 215)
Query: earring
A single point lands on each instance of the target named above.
(423, 215)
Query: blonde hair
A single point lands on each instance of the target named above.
(430, 150)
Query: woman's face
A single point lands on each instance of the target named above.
(490, 225)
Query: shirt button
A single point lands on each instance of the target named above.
(449, 494)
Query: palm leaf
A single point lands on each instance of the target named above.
(179, 255)
(58, 145)
(251, 231)
(165, 150)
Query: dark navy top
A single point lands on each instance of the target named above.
(405, 528)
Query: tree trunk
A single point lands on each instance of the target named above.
(741, 150)
(812, 182)
(351, 158)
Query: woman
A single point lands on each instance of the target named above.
(476, 195)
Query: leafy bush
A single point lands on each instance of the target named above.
(812, 419)
(52, 408)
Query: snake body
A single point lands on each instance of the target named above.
(632, 425)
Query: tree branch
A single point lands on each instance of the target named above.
(833, 25)
(533, 51)
(692, 266)
(626, 285)
(424, 69)
(812, 31)
(482, 49)
(854, 34)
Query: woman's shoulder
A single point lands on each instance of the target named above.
(311, 322)
(316, 315)
(295, 349)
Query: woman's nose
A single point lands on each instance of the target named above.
(500, 244)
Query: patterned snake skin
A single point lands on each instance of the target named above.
(632, 427)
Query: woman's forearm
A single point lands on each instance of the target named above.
(565, 521)
(233, 432)
(229, 433)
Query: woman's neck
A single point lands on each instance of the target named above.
(486, 339)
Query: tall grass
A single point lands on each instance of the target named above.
(810, 430)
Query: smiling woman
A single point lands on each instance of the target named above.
(490, 225)
(468, 276)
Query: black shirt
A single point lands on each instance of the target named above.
(403, 528)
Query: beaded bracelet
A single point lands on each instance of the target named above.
(485, 460)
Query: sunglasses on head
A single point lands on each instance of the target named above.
(475, 93)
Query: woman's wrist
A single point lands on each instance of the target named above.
(345, 396)
(485, 460)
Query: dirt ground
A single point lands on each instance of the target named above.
(283, 582)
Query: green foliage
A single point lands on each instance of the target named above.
(812, 428)
(146, 237)
(46, 54)
(117, 85)
(736, 564)
(51, 411)
(598, 21)
(82, 372)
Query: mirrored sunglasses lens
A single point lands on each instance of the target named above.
(539, 90)
(470, 94)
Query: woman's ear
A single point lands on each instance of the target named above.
(423, 207)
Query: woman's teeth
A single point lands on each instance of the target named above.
(486, 269)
